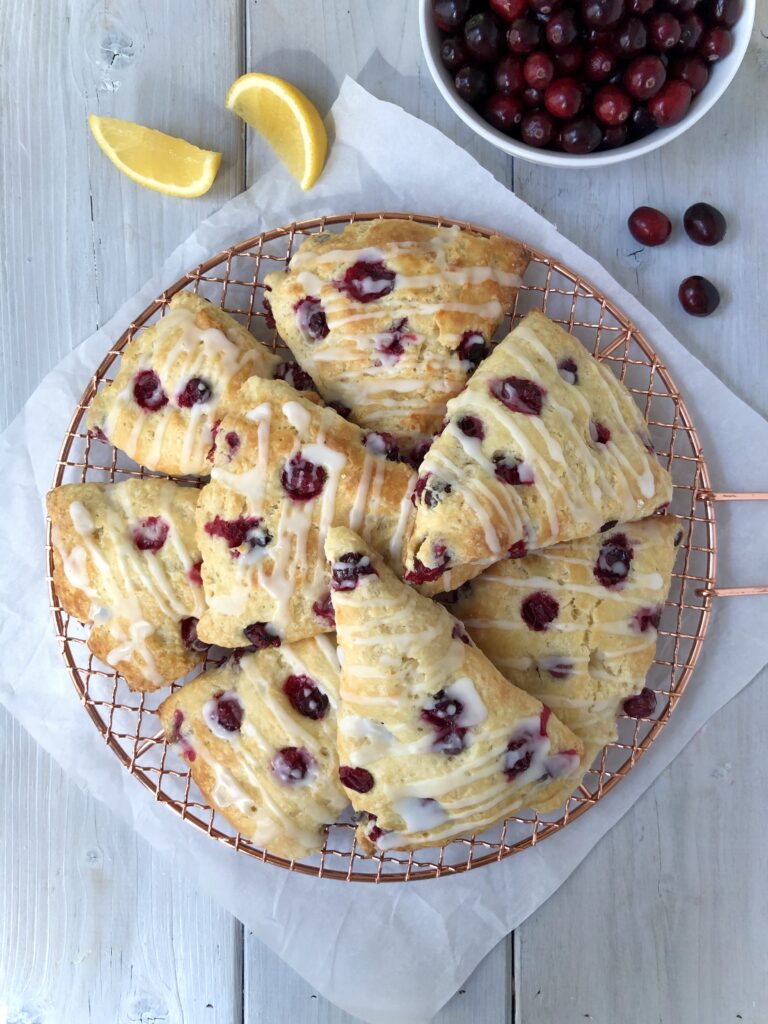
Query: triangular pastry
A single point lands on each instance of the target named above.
(126, 560)
(175, 381)
(543, 445)
(433, 741)
(576, 625)
(285, 471)
(389, 317)
(259, 736)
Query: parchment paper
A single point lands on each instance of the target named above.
(368, 949)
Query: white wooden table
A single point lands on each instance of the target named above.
(665, 921)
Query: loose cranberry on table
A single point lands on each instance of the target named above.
(698, 296)
(649, 226)
(704, 224)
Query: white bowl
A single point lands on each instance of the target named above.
(720, 76)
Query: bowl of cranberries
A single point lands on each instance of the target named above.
(583, 83)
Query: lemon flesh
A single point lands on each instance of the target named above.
(156, 160)
(286, 118)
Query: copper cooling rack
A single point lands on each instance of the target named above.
(234, 280)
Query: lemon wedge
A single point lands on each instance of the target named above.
(286, 118)
(155, 160)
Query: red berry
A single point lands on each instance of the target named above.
(704, 224)
(691, 31)
(483, 37)
(644, 77)
(449, 15)
(716, 44)
(563, 97)
(649, 226)
(537, 129)
(538, 610)
(524, 36)
(642, 705)
(472, 83)
(569, 59)
(698, 296)
(691, 69)
(562, 29)
(663, 31)
(599, 64)
(631, 38)
(539, 70)
(453, 52)
(358, 779)
(724, 12)
(601, 13)
(614, 136)
(504, 112)
(612, 105)
(671, 103)
(508, 76)
(509, 9)
(582, 135)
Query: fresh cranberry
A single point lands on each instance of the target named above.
(630, 38)
(195, 392)
(716, 44)
(518, 550)
(148, 391)
(544, 9)
(519, 395)
(524, 36)
(472, 83)
(453, 52)
(613, 561)
(483, 37)
(150, 534)
(471, 350)
(601, 13)
(581, 135)
(510, 471)
(679, 7)
(537, 128)
(301, 479)
(295, 377)
(724, 12)
(691, 69)
(614, 136)
(644, 77)
(421, 574)
(663, 31)
(390, 344)
(449, 15)
(306, 697)
(562, 29)
(348, 569)
(323, 609)
(569, 60)
(292, 764)
(532, 98)
(563, 97)
(599, 64)
(671, 103)
(311, 318)
(509, 9)
(698, 296)
(642, 705)
(599, 433)
(539, 70)
(640, 6)
(538, 610)
(568, 370)
(612, 105)
(229, 711)
(691, 31)
(641, 123)
(508, 76)
(442, 714)
(246, 530)
(261, 636)
(367, 282)
(359, 780)
(188, 632)
(472, 426)
(647, 618)
(704, 224)
(194, 575)
(504, 112)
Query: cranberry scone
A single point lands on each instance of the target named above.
(544, 445)
(576, 624)
(389, 317)
(286, 470)
(126, 560)
(433, 741)
(175, 381)
(259, 736)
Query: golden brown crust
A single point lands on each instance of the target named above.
(395, 360)
(441, 734)
(136, 599)
(196, 351)
(544, 445)
(234, 753)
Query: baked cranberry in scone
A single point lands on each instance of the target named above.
(544, 445)
(433, 741)
(389, 317)
(175, 380)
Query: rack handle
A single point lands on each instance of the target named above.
(707, 495)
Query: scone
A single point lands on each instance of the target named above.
(126, 560)
(434, 742)
(175, 381)
(576, 625)
(389, 317)
(285, 471)
(544, 445)
(259, 736)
